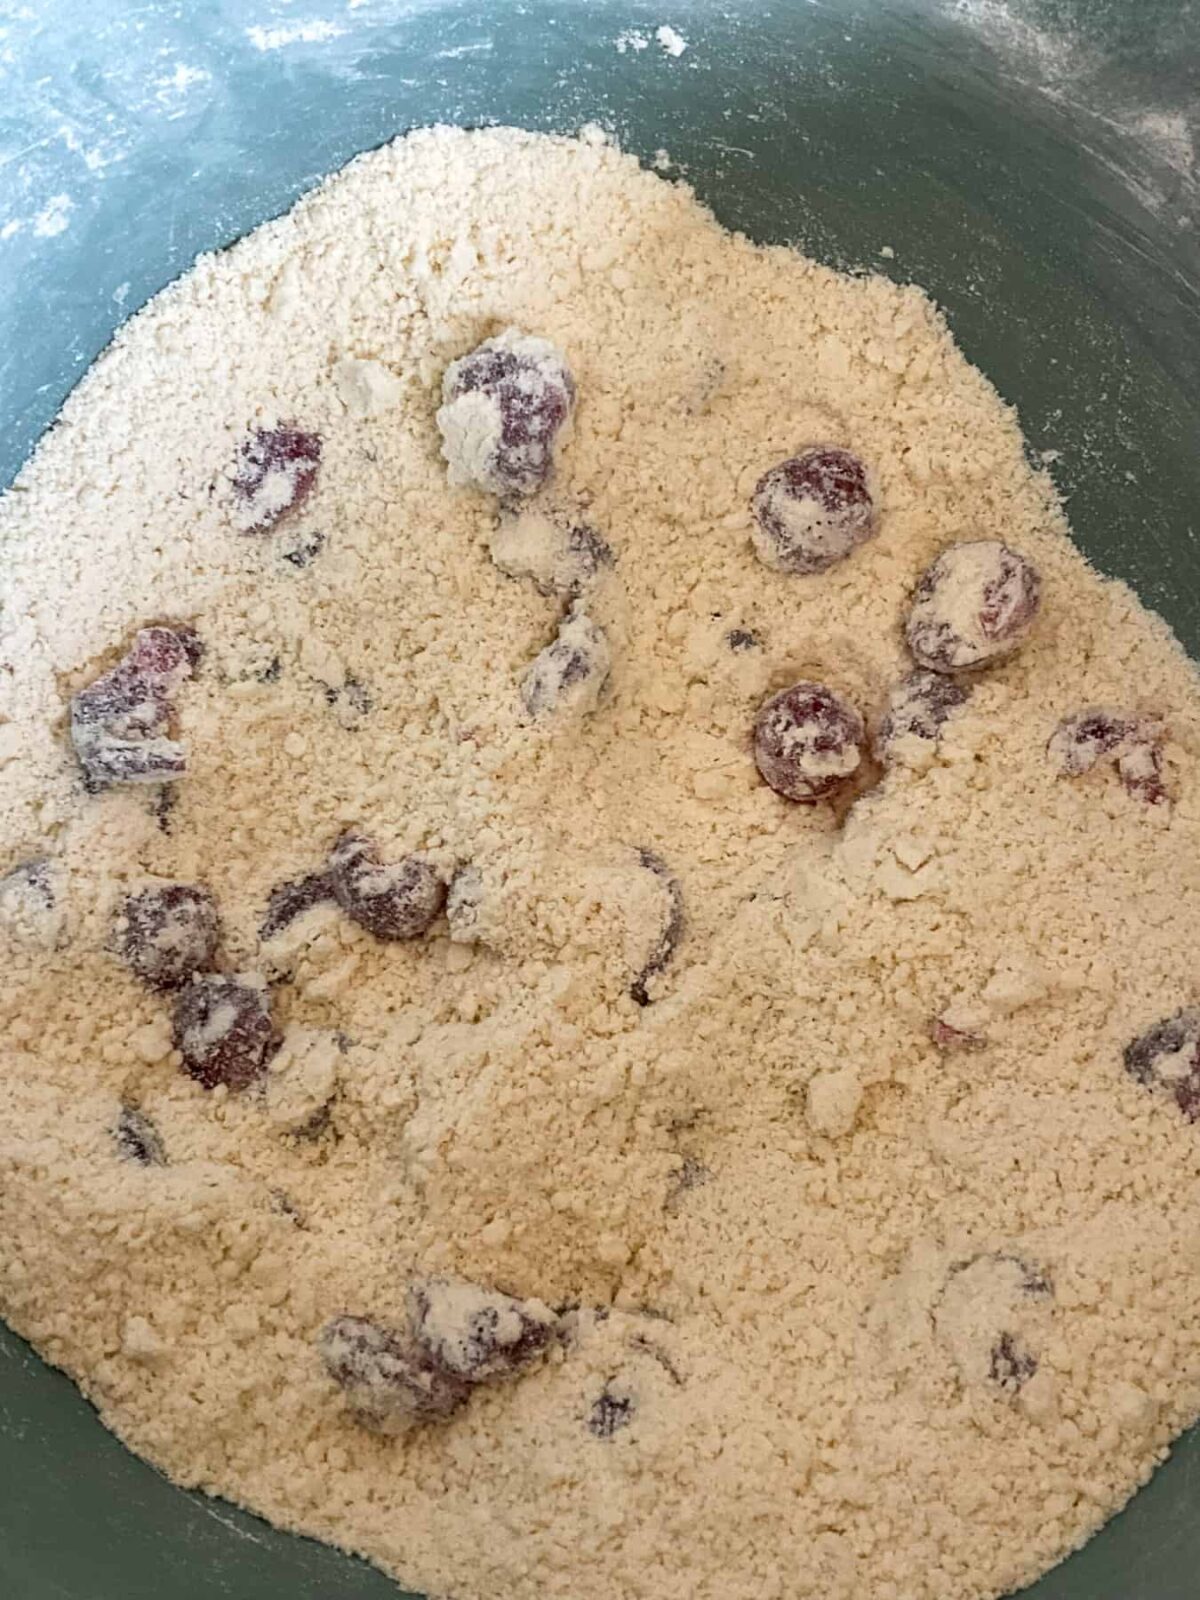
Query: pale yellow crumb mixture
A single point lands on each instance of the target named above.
(803, 1216)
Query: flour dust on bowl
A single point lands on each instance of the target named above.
(598, 900)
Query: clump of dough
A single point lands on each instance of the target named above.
(389, 1381)
(276, 471)
(458, 1335)
(568, 676)
(1132, 742)
(121, 722)
(560, 555)
(1167, 1058)
(991, 1314)
(31, 909)
(918, 708)
(477, 1333)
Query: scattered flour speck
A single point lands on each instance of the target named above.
(182, 79)
(54, 217)
(316, 31)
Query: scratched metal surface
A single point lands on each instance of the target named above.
(1029, 161)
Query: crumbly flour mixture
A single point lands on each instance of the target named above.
(574, 1070)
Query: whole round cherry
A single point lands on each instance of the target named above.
(808, 742)
(505, 406)
(812, 511)
(223, 1030)
(166, 933)
(391, 900)
(974, 605)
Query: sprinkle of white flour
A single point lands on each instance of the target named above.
(673, 44)
(54, 217)
(537, 1154)
(318, 30)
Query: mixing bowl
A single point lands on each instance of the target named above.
(1029, 163)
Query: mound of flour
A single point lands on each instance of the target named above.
(858, 1313)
